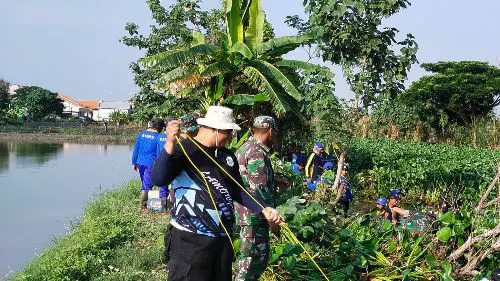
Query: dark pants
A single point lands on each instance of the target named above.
(345, 206)
(199, 258)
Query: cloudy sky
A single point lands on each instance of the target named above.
(72, 46)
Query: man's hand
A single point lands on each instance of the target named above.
(136, 168)
(273, 216)
(172, 131)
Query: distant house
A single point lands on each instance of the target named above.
(78, 108)
(13, 88)
(108, 107)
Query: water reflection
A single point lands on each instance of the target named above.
(4, 157)
(27, 154)
(45, 186)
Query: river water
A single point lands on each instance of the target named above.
(44, 187)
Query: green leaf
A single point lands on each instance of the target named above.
(290, 263)
(259, 81)
(345, 233)
(243, 49)
(198, 38)
(241, 99)
(236, 245)
(444, 234)
(219, 88)
(447, 218)
(431, 261)
(278, 77)
(297, 64)
(216, 69)
(260, 97)
(233, 21)
(178, 58)
(177, 73)
(243, 138)
(273, 259)
(391, 247)
(282, 45)
(254, 34)
(387, 225)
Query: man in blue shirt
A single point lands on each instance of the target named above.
(144, 155)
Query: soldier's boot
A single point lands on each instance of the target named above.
(143, 201)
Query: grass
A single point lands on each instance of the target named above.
(112, 242)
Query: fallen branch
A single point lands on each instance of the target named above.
(469, 268)
(492, 202)
(473, 240)
(488, 191)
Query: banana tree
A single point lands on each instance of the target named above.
(241, 69)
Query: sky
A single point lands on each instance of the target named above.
(72, 47)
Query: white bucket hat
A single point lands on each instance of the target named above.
(219, 117)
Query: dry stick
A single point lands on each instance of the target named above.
(337, 178)
(473, 240)
(492, 202)
(488, 191)
(468, 269)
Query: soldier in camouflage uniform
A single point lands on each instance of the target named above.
(258, 177)
(416, 222)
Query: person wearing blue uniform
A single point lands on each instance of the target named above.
(144, 155)
(383, 210)
(298, 161)
(162, 139)
(314, 165)
(344, 193)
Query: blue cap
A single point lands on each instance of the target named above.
(395, 193)
(319, 144)
(328, 166)
(381, 201)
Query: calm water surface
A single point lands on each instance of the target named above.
(46, 186)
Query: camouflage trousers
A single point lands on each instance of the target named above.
(418, 222)
(254, 252)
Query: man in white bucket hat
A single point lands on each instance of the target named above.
(197, 245)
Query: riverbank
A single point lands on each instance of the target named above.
(113, 241)
(65, 138)
(50, 132)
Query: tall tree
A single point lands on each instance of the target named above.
(462, 91)
(4, 94)
(37, 102)
(373, 60)
(242, 65)
(173, 28)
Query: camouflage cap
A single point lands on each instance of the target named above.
(264, 122)
(188, 122)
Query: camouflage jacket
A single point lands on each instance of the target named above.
(258, 177)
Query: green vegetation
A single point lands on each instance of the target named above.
(230, 56)
(453, 105)
(112, 242)
(35, 103)
(420, 170)
(4, 97)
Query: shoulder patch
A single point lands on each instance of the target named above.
(230, 161)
